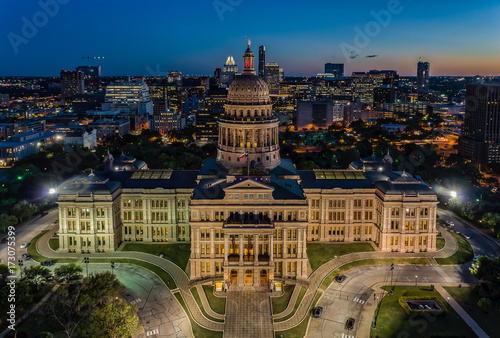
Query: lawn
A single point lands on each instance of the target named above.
(463, 255)
(198, 331)
(54, 243)
(162, 274)
(39, 258)
(218, 304)
(382, 261)
(279, 304)
(467, 298)
(177, 253)
(299, 331)
(392, 320)
(440, 242)
(320, 253)
(302, 292)
(196, 297)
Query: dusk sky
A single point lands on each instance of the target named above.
(150, 36)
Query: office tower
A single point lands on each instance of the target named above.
(72, 83)
(206, 118)
(422, 76)
(364, 84)
(175, 77)
(229, 71)
(92, 78)
(132, 98)
(282, 75)
(217, 72)
(4, 100)
(382, 95)
(314, 114)
(158, 92)
(337, 69)
(262, 61)
(272, 77)
(480, 140)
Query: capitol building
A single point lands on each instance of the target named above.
(248, 213)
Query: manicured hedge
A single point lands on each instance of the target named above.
(402, 302)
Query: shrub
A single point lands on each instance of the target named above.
(402, 302)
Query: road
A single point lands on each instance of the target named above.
(346, 300)
(26, 234)
(482, 244)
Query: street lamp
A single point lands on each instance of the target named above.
(453, 193)
(416, 279)
(20, 263)
(52, 191)
(448, 302)
(112, 267)
(86, 261)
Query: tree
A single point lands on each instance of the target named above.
(487, 269)
(115, 319)
(37, 275)
(68, 307)
(484, 304)
(7, 221)
(68, 271)
(492, 221)
(23, 209)
(99, 288)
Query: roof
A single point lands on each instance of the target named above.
(331, 179)
(166, 179)
(89, 184)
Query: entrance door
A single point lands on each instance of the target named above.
(248, 277)
(263, 277)
(234, 277)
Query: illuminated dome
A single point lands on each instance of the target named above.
(248, 125)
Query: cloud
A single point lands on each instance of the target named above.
(372, 56)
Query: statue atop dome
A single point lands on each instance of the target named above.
(249, 41)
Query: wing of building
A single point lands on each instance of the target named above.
(248, 214)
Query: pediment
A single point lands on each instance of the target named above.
(249, 184)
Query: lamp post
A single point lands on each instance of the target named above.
(448, 303)
(112, 267)
(86, 261)
(416, 280)
(20, 263)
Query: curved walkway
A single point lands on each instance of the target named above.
(179, 276)
(314, 280)
(291, 302)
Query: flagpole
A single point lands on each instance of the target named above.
(248, 163)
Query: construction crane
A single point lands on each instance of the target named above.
(92, 57)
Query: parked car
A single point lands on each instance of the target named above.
(349, 324)
(466, 236)
(25, 245)
(450, 223)
(317, 311)
(45, 213)
(340, 278)
(26, 256)
(48, 262)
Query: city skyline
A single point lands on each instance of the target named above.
(140, 40)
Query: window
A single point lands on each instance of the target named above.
(71, 212)
(424, 211)
(423, 225)
(127, 215)
(394, 211)
(356, 215)
(84, 213)
(138, 203)
(357, 203)
(139, 216)
(127, 203)
(368, 203)
(394, 225)
(99, 212)
(368, 215)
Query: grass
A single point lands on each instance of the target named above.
(198, 331)
(299, 331)
(468, 298)
(382, 261)
(302, 292)
(440, 242)
(197, 298)
(320, 253)
(54, 243)
(162, 274)
(392, 320)
(39, 258)
(177, 253)
(279, 304)
(463, 255)
(217, 304)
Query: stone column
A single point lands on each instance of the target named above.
(212, 244)
(299, 243)
(285, 248)
(196, 243)
(253, 139)
(256, 249)
(271, 249)
(241, 249)
(226, 249)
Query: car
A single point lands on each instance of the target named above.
(340, 278)
(45, 213)
(25, 245)
(466, 236)
(317, 311)
(450, 223)
(349, 324)
(48, 262)
(26, 256)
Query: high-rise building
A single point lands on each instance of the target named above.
(480, 140)
(272, 77)
(92, 78)
(229, 71)
(317, 114)
(382, 95)
(207, 128)
(175, 77)
(262, 62)
(337, 69)
(217, 72)
(4, 100)
(364, 83)
(158, 92)
(130, 97)
(72, 83)
(422, 76)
